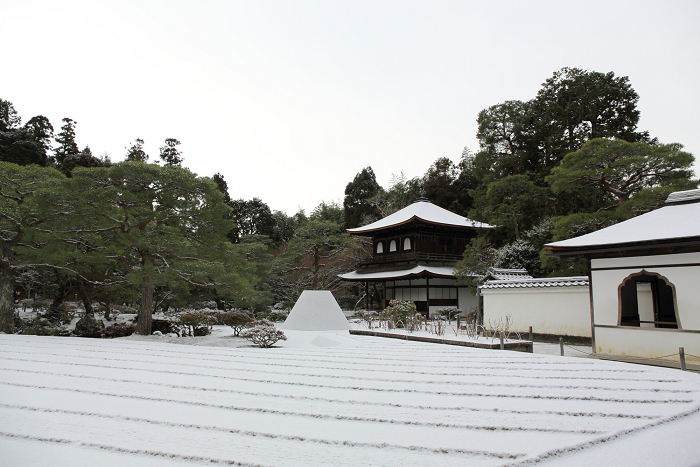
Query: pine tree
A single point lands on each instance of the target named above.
(135, 152)
(66, 142)
(170, 154)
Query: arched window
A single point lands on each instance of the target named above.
(392, 246)
(380, 247)
(406, 243)
(647, 300)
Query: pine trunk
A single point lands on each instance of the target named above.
(145, 321)
(62, 292)
(82, 291)
(7, 309)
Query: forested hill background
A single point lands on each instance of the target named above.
(567, 162)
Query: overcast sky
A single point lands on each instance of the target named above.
(289, 100)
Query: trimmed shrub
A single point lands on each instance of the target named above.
(273, 316)
(237, 320)
(398, 312)
(119, 330)
(38, 330)
(263, 334)
(88, 326)
(197, 323)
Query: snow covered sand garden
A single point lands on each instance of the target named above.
(332, 399)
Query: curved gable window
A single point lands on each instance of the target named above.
(647, 300)
(406, 243)
(380, 247)
(392, 246)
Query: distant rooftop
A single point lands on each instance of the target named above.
(683, 197)
(506, 274)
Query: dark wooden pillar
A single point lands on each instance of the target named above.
(366, 295)
(427, 294)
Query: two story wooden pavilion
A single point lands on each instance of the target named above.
(414, 254)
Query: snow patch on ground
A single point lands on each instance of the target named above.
(331, 399)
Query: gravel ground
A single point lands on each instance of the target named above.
(222, 337)
(543, 348)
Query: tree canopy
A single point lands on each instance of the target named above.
(631, 178)
(24, 145)
(522, 173)
(251, 217)
(19, 219)
(161, 224)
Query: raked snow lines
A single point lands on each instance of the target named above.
(379, 403)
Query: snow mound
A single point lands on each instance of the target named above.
(316, 310)
(320, 340)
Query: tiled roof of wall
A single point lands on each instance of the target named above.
(506, 274)
(577, 281)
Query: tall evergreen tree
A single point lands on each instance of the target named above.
(9, 118)
(223, 186)
(358, 208)
(42, 131)
(135, 152)
(170, 154)
(66, 142)
(438, 184)
(574, 106)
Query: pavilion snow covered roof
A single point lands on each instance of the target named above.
(425, 211)
(675, 223)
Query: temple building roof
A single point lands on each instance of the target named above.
(424, 211)
(676, 222)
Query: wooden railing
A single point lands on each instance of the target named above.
(394, 257)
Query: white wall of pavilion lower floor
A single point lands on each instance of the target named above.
(436, 292)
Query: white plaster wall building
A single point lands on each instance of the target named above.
(556, 306)
(645, 280)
